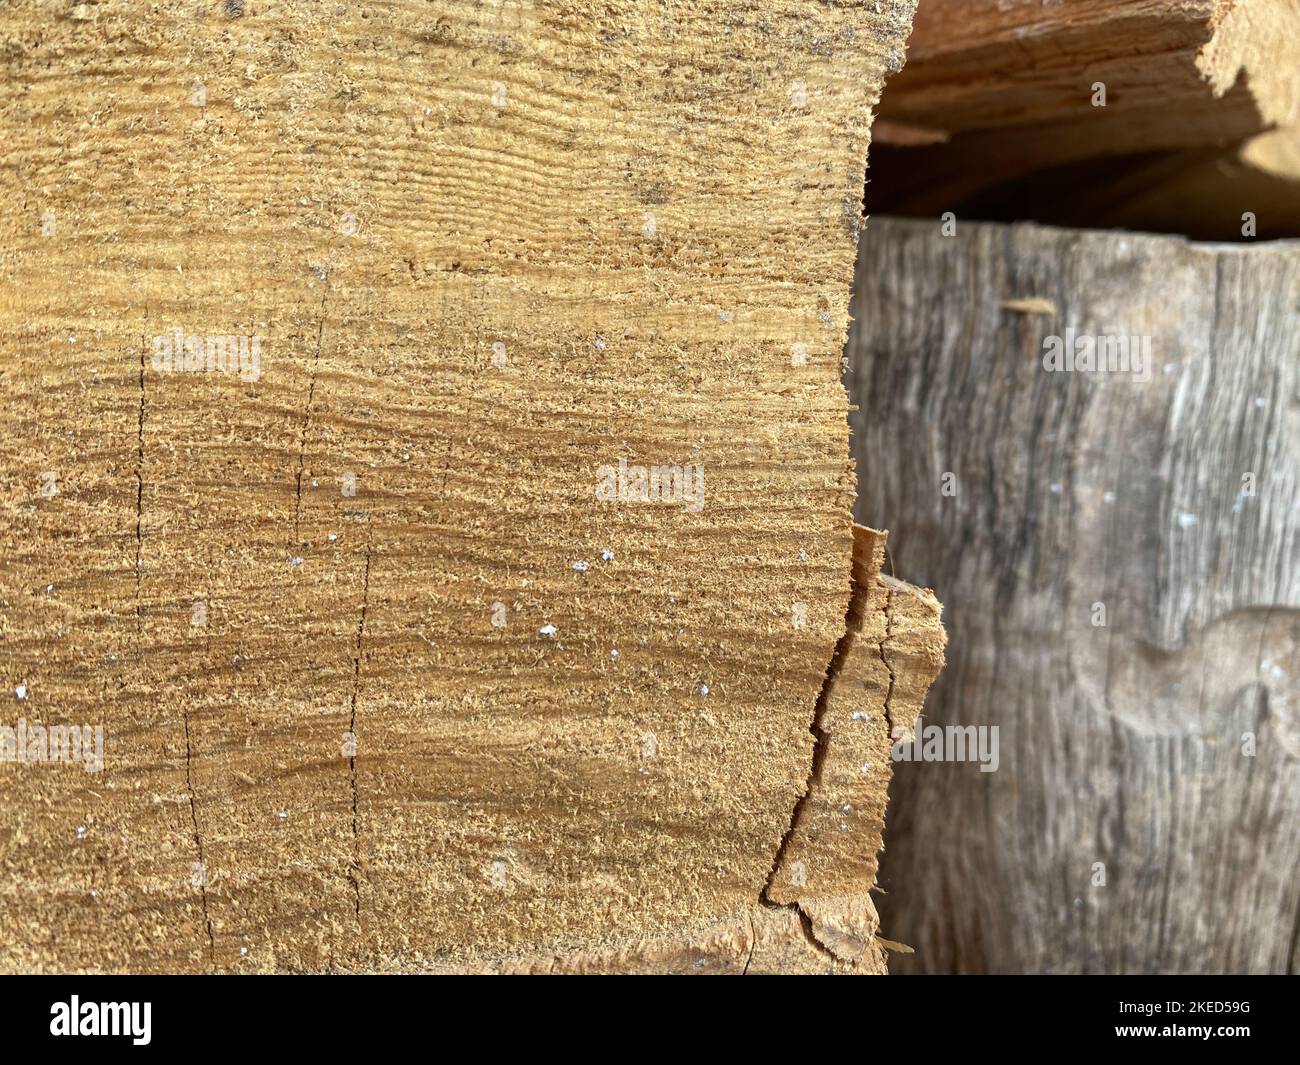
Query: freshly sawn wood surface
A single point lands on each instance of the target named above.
(332, 339)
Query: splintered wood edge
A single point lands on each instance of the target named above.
(810, 926)
(1252, 42)
(891, 651)
(1258, 40)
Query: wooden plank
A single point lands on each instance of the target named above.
(1120, 558)
(993, 91)
(386, 679)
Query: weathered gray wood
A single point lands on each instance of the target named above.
(1125, 744)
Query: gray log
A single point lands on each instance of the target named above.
(1159, 751)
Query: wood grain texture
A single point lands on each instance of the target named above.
(1159, 751)
(487, 248)
(889, 655)
(997, 89)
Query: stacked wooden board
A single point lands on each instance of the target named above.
(1177, 115)
(427, 462)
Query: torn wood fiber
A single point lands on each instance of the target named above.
(891, 651)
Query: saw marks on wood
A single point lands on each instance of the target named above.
(384, 681)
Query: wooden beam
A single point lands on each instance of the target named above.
(335, 345)
(994, 91)
(1119, 551)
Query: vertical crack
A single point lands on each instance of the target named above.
(810, 934)
(139, 498)
(889, 665)
(354, 874)
(859, 600)
(869, 595)
(198, 840)
(306, 417)
(842, 649)
(185, 714)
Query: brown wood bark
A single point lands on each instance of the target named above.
(1143, 817)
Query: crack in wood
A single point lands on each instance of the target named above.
(198, 841)
(306, 416)
(354, 874)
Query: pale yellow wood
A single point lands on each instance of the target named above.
(485, 249)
